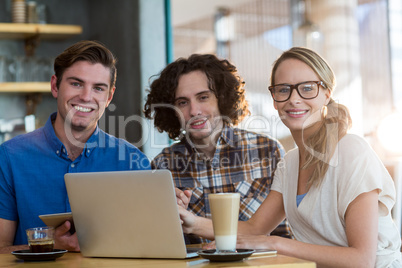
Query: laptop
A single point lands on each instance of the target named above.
(127, 214)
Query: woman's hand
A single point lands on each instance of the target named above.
(249, 242)
(255, 241)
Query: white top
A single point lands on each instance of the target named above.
(320, 217)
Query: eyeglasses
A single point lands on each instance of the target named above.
(307, 90)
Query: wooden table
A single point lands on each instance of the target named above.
(73, 260)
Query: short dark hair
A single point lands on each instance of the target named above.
(91, 51)
(223, 81)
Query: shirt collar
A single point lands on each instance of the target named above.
(54, 142)
(228, 136)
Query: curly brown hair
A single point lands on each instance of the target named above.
(223, 81)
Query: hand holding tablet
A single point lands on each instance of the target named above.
(55, 220)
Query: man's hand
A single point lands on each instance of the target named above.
(188, 220)
(63, 239)
(192, 224)
(183, 197)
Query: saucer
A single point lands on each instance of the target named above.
(27, 255)
(212, 255)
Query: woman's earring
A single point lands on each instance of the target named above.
(324, 111)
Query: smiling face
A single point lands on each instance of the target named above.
(298, 113)
(198, 106)
(82, 96)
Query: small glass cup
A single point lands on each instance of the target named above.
(3, 69)
(41, 11)
(40, 239)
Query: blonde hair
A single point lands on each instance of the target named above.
(336, 117)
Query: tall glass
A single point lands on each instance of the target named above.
(225, 216)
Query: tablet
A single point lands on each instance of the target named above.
(57, 219)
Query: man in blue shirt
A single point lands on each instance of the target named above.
(32, 166)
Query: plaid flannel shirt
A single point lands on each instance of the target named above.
(244, 162)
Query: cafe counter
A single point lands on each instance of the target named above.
(75, 260)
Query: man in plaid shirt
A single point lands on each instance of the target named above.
(197, 101)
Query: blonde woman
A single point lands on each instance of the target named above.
(333, 189)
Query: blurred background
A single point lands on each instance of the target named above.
(361, 40)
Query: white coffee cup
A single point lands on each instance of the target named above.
(225, 216)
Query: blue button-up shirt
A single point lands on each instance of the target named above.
(32, 168)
